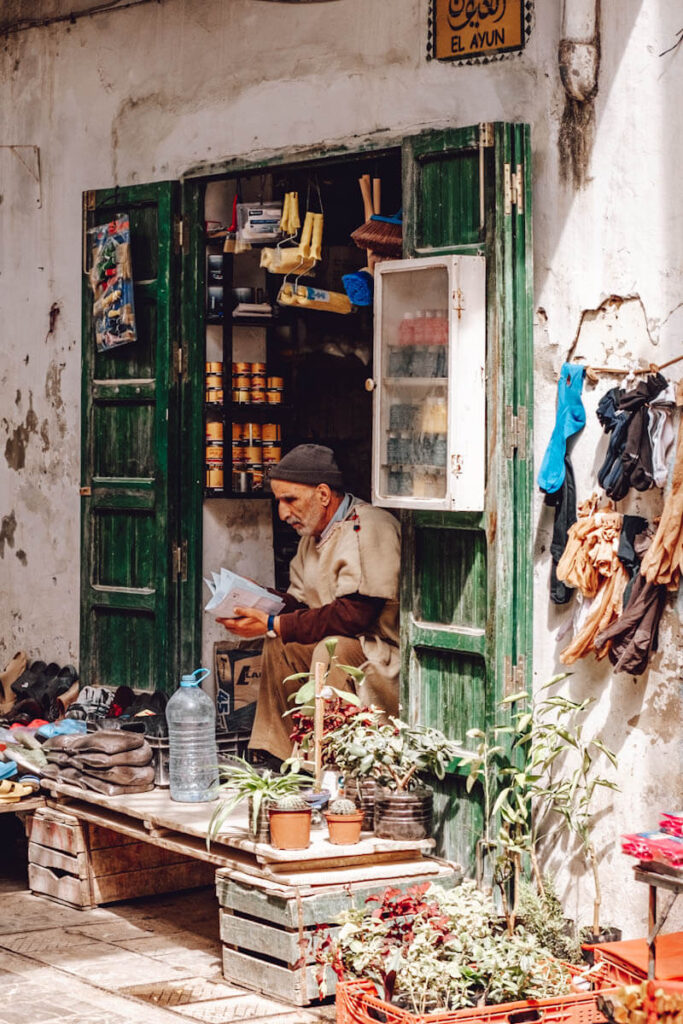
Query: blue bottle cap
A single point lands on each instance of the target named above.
(195, 678)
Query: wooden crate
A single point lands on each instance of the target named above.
(268, 930)
(84, 865)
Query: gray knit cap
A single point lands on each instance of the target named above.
(310, 464)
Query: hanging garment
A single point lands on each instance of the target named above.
(569, 419)
(633, 543)
(663, 561)
(614, 423)
(637, 454)
(633, 637)
(591, 562)
(661, 431)
(564, 502)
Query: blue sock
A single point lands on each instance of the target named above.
(571, 417)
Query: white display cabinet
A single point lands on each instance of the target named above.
(429, 422)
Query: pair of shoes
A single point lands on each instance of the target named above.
(60, 704)
(93, 702)
(14, 669)
(45, 683)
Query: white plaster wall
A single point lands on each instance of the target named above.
(145, 93)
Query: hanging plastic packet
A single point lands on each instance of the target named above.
(111, 280)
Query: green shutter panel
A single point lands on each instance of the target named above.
(129, 460)
(466, 613)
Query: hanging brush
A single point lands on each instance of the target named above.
(383, 235)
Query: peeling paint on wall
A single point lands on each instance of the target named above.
(15, 448)
(8, 527)
(21, 555)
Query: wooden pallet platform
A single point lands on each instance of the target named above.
(156, 818)
(270, 933)
(85, 865)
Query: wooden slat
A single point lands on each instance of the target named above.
(188, 874)
(65, 888)
(257, 937)
(59, 831)
(73, 864)
(449, 638)
(293, 986)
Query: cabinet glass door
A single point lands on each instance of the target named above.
(429, 394)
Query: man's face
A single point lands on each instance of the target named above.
(301, 506)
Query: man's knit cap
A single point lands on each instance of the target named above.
(310, 464)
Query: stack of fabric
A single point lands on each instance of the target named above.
(109, 762)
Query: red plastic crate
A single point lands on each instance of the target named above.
(609, 970)
(357, 1003)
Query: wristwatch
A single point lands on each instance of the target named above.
(270, 631)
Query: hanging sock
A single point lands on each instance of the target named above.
(614, 423)
(564, 503)
(570, 418)
(661, 431)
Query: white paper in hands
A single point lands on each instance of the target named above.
(230, 591)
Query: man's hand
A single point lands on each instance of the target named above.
(248, 622)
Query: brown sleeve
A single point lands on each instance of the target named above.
(351, 615)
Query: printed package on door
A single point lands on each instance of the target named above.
(111, 279)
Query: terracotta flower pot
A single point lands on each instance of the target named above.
(344, 829)
(290, 829)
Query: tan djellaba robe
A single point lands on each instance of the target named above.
(361, 554)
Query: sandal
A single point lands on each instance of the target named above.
(13, 671)
(13, 792)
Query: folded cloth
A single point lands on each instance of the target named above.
(107, 741)
(140, 756)
(58, 757)
(63, 742)
(120, 774)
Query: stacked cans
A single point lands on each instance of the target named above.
(250, 386)
(213, 454)
(255, 447)
(213, 384)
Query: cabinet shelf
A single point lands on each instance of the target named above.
(420, 382)
(218, 492)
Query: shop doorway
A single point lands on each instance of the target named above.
(466, 609)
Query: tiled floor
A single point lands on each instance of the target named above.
(148, 961)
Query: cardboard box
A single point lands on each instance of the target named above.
(238, 673)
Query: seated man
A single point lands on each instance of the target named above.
(344, 583)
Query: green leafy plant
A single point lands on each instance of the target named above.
(543, 916)
(390, 751)
(541, 781)
(429, 948)
(242, 781)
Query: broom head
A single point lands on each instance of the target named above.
(384, 235)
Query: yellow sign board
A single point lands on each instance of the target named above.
(466, 29)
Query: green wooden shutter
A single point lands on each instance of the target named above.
(130, 459)
(466, 603)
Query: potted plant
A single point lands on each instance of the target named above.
(290, 823)
(548, 765)
(260, 787)
(344, 822)
(431, 949)
(397, 756)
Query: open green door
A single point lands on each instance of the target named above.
(131, 552)
(466, 603)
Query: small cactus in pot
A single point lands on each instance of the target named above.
(290, 823)
(344, 822)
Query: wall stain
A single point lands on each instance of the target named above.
(8, 528)
(21, 555)
(53, 393)
(15, 448)
(17, 400)
(44, 436)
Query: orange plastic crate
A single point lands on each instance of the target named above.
(610, 970)
(357, 1004)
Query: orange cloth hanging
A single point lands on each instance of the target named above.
(663, 561)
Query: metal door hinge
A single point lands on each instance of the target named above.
(180, 234)
(85, 492)
(515, 432)
(89, 200)
(485, 134)
(514, 675)
(179, 364)
(180, 562)
(513, 186)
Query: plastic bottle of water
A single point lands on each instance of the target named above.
(193, 756)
